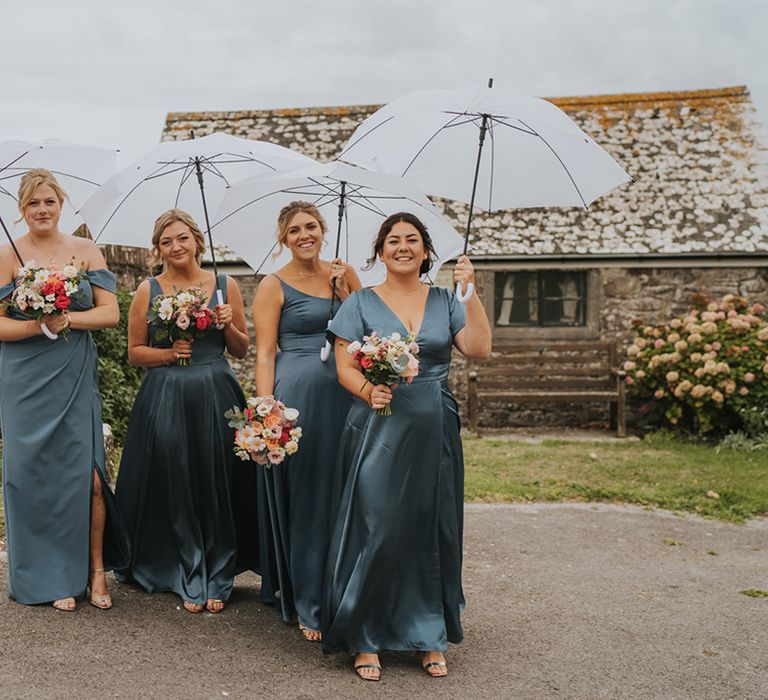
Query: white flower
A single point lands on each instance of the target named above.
(291, 414)
(295, 433)
(263, 408)
(70, 271)
(291, 447)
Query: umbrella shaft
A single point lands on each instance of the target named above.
(483, 129)
(10, 240)
(207, 222)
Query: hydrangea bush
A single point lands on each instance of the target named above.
(701, 372)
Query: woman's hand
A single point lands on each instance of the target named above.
(338, 273)
(56, 323)
(463, 272)
(224, 314)
(381, 396)
(182, 349)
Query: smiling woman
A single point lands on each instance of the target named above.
(393, 577)
(175, 483)
(61, 522)
(290, 312)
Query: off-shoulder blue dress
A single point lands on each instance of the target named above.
(393, 576)
(50, 410)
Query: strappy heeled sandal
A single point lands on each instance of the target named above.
(310, 635)
(192, 607)
(377, 667)
(65, 604)
(211, 605)
(102, 602)
(428, 667)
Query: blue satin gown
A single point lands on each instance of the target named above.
(174, 488)
(300, 491)
(393, 577)
(50, 408)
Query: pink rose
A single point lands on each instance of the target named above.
(629, 380)
(743, 391)
(659, 393)
(659, 343)
(411, 370)
(183, 321)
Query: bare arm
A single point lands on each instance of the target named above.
(267, 306)
(352, 379)
(140, 354)
(474, 340)
(232, 316)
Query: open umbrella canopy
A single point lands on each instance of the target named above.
(534, 155)
(354, 202)
(124, 210)
(80, 170)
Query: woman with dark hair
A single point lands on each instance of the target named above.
(290, 312)
(174, 488)
(393, 576)
(60, 517)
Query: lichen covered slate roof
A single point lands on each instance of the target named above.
(698, 160)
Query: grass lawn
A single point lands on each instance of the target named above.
(658, 472)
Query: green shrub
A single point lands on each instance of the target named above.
(706, 372)
(118, 380)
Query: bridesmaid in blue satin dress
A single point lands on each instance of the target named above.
(393, 579)
(290, 312)
(61, 522)
(174, 488)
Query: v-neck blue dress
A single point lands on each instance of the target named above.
(50, 409)
(393, 575)
(174, 488)
(300, 491)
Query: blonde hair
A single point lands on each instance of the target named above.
(31, 180)
(286, 215)
(163, 222)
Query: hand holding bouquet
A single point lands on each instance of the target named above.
(265, 430)
(41, 291)
(386, 360)
(181, 316)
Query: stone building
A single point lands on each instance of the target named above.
(694, 219)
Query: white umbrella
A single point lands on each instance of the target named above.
(358, 199)
(80, 170)
(536, 155)
(191, 175)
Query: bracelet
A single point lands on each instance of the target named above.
(363, 387)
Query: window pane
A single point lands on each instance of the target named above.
(547, 298)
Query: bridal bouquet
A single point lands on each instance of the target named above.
(180, 316)
(265, 430)
(385, 360)
(46, 290)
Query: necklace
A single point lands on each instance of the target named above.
(304, 275)
(53, 251)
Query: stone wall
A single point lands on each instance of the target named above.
(651, 295)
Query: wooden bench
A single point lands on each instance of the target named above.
(546, 372)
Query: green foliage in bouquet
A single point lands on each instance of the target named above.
(118, 380)
(704, 372)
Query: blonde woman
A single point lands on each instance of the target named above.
(174, 485)
(290, 313)
(56, 504)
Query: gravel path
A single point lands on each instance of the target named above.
(563, 601)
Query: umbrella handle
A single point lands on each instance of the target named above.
(464, 295)
(325, 352)
(48, 333)
(220, 300)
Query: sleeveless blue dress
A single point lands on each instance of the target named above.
(300, 491)
(50, 410)
(393, 577)
(175, 480)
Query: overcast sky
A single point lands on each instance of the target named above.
(106, 73)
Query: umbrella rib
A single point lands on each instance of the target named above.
(15, 160)
(264, 259)
(559, 159)
(184, 179)
(367, 133)
(427, 142)
(493, 165)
